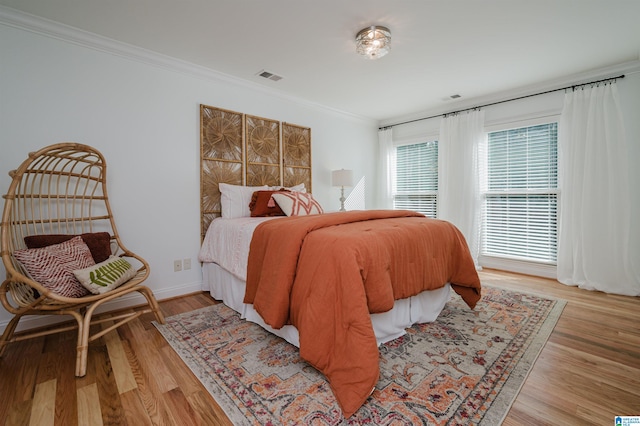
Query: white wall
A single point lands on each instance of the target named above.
(144, 118)
(142, 113)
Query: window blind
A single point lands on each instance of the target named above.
(417, 178)
(521, 201)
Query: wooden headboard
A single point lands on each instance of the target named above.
(241, 149)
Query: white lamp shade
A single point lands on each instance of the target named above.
(342, 177)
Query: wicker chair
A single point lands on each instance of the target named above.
(61, 189)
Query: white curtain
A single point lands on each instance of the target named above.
(595, 210)
(387, 167)
(459, 202)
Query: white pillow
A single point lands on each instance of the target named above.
(297, 188)
(105, 276)
(297, 203)
(235, 199)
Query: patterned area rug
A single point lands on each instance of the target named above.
(465, 368)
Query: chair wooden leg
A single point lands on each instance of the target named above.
(153, 303)
(82, 345)
(8, 333)
(84, 327)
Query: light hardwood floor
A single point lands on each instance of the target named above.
(587, 373)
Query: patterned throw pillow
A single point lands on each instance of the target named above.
(297, 203)
(106, 275)
(53, 266)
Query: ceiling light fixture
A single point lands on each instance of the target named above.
(373, 42)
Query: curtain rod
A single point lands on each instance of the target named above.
(572, 87)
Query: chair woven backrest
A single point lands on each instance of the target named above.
(60, 189)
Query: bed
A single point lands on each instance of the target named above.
(251, 263)
(324, 283)
(224, 255)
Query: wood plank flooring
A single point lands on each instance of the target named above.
(587, 373)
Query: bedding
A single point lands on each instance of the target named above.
(235, 199)
(297, 203)
(224, 254)
(262, 205)
(387, 326)
(227, 243)
(325, 275)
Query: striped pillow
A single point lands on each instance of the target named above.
(53, 266)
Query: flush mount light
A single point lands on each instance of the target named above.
(373, 42)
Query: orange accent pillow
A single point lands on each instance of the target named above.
(262, 205)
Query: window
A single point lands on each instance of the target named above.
(416, 186)
(521, 198)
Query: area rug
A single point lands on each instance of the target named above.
(465, 368)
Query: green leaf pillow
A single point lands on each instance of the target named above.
(105, 276)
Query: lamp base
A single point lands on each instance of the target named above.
(342, 199)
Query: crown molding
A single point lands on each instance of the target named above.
(555, 84)
(56, 30)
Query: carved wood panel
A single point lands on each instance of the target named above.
(243, 149)
(221, 158)
(263, 151)
(296, 151)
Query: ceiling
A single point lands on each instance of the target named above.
(440, 48)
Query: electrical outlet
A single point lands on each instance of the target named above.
(186, 264)
(177, 265)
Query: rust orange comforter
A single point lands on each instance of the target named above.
(326, 273)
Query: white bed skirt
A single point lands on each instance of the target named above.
(425, 307)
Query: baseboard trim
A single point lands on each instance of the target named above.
(520, 267)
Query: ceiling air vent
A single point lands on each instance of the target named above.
(269, 75)
(448, 98)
